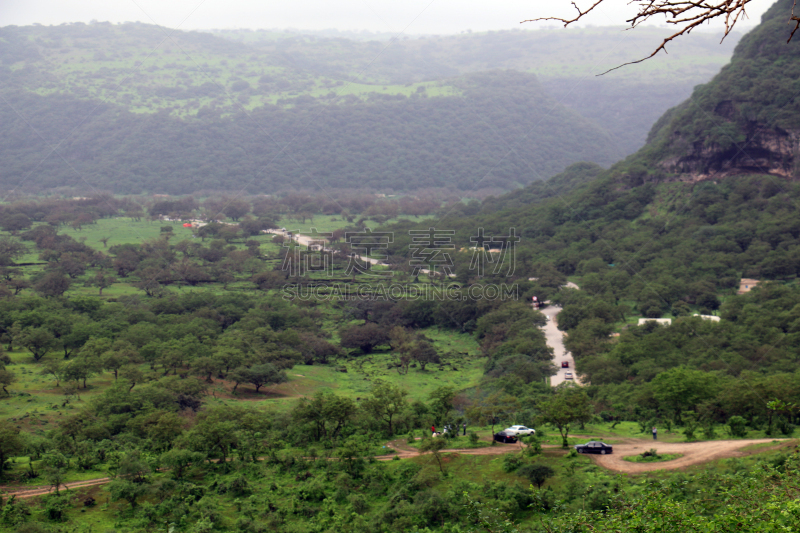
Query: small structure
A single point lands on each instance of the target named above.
(662, 321)
(712, 318)
(746, 285)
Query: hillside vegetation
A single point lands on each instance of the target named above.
(643, 243)
(744, 121)
(133, 108)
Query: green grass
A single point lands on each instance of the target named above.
(362, 373)
(328, 223)
(659, 458)
(123, 230)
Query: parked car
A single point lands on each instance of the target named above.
(594, 446)
(520, 430)
(564, 364)
(567, 375)
(505, 437)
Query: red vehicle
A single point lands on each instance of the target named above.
(564, 364)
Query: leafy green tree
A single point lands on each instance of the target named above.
(81, 369)
(177, 460)
(568, 405)
(328, 412)
(385, 402)
(15, 222)
(132, 375)
(441, 402)
(11, 249)
(215, 434)
(6, 379)
(490, 409)
(423, 353)
(351, 451)
(364, 337)
(537, 474)
(266, 374)
(52, 284)
(682, 388)
(102, 281)
(55, 465)
(435, 446)
(124, 489)
(690, 425)
(38, 341)
(54, 368)
(11, 442)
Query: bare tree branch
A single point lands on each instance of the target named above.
(794, 18)
(685, 15)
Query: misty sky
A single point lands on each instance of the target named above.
(408, 16)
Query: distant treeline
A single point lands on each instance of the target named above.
(505, 132)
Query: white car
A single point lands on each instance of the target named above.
(520, 430)
(567, 375)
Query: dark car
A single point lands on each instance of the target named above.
(594, 446)
(505, 437)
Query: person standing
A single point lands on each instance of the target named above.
(655, 433)
(433, 430)
(465, 428)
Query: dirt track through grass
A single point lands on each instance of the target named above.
(694, 453)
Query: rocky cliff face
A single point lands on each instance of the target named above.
(745, 121)
(764, 150)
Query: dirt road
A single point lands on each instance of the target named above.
(30, 492)
(694, 453)
(555, 340)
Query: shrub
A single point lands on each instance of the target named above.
(537, 474)
(572, 454)
(511, 462)
(534, 446)
(473, 438)
(737, 426)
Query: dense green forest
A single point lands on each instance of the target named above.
(111, 108)
(510, 133)
(626, 102)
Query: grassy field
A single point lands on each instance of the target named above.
(328, 223)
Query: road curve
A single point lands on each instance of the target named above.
(693, 453)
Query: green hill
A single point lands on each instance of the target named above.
(650, 240)
(134, 108)
(745, 120)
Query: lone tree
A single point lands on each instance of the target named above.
(385, 402)
(683, 15)
(537, 474)
(266, 374)
(567, 406)
(365, 337)
(435, 446)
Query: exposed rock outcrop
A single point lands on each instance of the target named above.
(764, 150)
